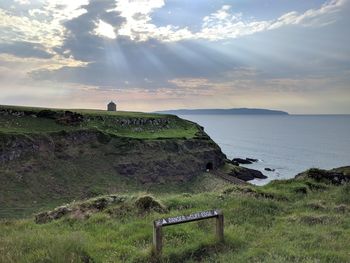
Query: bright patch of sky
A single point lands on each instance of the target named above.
(105, 30)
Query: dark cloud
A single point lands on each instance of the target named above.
(25, 50)
(80, 42)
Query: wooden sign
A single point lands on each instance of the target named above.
(158, 224)
(188, 218)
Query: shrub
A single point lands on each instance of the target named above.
(148, 203)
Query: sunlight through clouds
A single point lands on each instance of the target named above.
(105, 30)
(162, 54)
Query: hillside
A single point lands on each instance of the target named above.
(238, 111)
(86, 186)
(50, 156)
(306, 219)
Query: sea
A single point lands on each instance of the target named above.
(289, 144)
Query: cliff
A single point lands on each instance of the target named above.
(49, 156)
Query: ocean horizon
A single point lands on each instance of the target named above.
(288, 144)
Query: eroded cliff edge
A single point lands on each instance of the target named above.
(77, 161)
(155, 160)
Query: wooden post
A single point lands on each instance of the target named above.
(157, 238)
(220, 227)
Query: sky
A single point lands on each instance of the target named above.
(149, 55)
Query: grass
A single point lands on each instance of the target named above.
(301, 227)
(107, 122)
(285, 221)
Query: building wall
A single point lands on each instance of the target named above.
(111, 107)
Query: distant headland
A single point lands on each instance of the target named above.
(237, 111)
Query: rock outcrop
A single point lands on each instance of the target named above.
(243, 161)
(335, 176)
(79, 210)
(246, 174)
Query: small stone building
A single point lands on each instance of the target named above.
(112, 106)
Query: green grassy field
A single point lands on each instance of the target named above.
(104, 121)
(284, 221)
(297, 220)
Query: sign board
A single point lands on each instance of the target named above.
(188, 218)
(158, 224)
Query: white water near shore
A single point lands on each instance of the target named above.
(288, 144)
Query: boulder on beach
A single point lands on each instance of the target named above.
(252, 160)
(246, 174)
(244, 161)
(241, 161)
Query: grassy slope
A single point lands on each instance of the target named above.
(177, 127)
(87, 174)
(285, 221)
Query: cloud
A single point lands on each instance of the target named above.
(48, 24)
(25, 50)
(313, 17)
(148, 64)
(222, 24)
(111, 59)
(22, 2)
(80, 40)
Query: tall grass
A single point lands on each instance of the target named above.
(306, 227)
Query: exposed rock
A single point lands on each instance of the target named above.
(252, 160)
(70, 118)
(234, 163)
(16, 113)
(246, 174)
(269, 169)
(332, 176)
(49, 114)
(147, 161)
(79, 210)
(241, 161)
(16, 147)
(172, 159)
(46, 217)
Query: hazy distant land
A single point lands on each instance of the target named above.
(237, 111)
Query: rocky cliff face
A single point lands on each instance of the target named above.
(50, 156)
(143, 160)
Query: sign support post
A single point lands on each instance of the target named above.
(220, 227)
(157, 238)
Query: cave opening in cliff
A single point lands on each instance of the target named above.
(209, 166)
